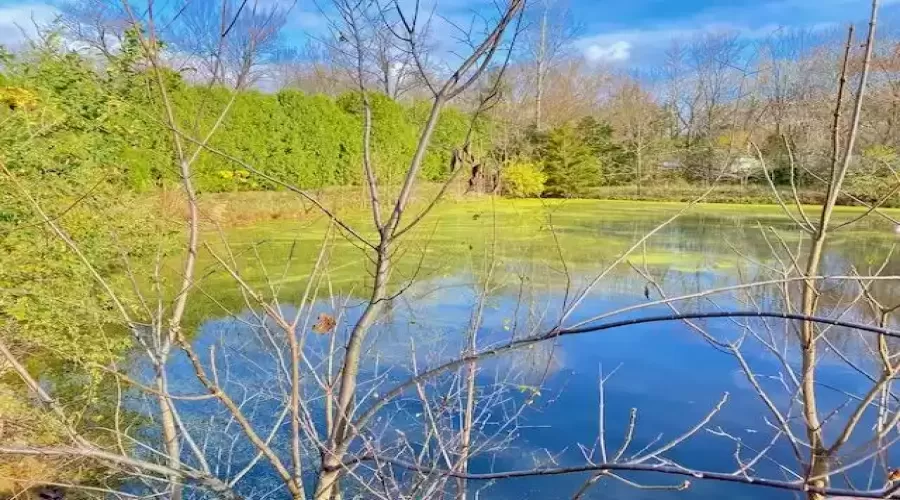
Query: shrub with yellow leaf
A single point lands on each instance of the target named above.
(17, 98)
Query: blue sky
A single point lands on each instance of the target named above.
(618, 32)
(643, 28)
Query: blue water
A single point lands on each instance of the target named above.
(667, 372)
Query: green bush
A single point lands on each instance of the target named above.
(523, 180)
(571, 166)
(77, 143)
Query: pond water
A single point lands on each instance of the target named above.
(540, 407)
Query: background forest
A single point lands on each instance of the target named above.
(719, 109)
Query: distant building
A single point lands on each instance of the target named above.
(671, 165)
(745, 166)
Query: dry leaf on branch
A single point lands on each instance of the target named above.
(325, 324)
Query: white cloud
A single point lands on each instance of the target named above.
(624, 43)
(17, 22)
(651, 42)
(628, 44)
(616, 51)
(754, 21)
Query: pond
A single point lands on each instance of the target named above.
(522, 264)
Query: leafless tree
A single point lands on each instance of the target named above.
(547, 41)
(99, 24)
(225, 42)
(639, 123)
(318, 365)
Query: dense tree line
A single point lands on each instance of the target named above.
(761, 116)
(104, 119)
(717, 108)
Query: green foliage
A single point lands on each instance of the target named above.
(778, 164)
(6, 56)
(65, 151)
(570, 157)
(873, 174)
(14, 98)
(880, 154)
(523, 180)
(393, 134)
(65, 134)
(87, 144)
(617, 162)
(308, 140)
(450, 133)
(597, 136)
(84, 143)
(570, 165)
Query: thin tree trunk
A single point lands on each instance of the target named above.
(640, 160)
(468, 419)
(169, 431)
(327, 487)
(820, 455)
(296, 447)
(541, 70)
(466, 438)
(818, 464)
(471, 370)
(339, 440)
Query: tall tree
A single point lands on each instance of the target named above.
(570, 165)
(549, 39)
(639, 126)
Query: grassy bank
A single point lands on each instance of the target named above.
(247, 208)
(250, 208)
(728, 193)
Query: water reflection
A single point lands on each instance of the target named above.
(666, 371)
